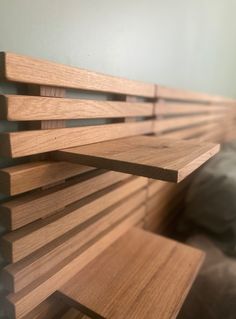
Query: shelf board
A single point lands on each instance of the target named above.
(150, 156)
(141, 275)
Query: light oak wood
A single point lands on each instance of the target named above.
(184, 121)
(19, 68)
(149, 156)
(33, 108)
(33, 206)
(186, 108)
(51, 308)
(21, 303)
(183, 95)
(136, 277)
(24, 241)
(20, 274)
(196, 131)
(25, 177)
(17, 144)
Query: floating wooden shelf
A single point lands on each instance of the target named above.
(154, 157)
(140, 276)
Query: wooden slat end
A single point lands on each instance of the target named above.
(5, 145)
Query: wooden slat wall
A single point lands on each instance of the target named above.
(62, 215)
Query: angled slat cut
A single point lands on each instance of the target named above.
(25, 177)
(19, 68)
(49, 309)
(34, 108)
(141, 275)
(29, 207)
(154, 157)
(20, 274)
(18, 144)
(24, 241)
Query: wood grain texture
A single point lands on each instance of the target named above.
(20, 274)
(51, 308)
(47, 91)
(24, 241)
(25, 177)
(184, 121)
(21, 303)
(33, 108)
(18, 68)
(194, 132)
(18, 144)
(27, 208)
(149, 156)
(136, 277)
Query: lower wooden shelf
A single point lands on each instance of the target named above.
(141, 275)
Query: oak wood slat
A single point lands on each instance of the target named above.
(184, 95)
(51, 308)
(35, 205)
(195, 131)
(136, 277)
(184, 121)
(19, 68)
(33, 108)
(17, 144)
(21, 303)
(149, 156)
(22, 273)
(25, 177)
(186, 108)
(24, 241)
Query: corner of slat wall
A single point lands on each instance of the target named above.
(3, 107)
(10, 308)
(5, 183)
(7, 250)
(7, 280)
(2, 66)
(5, 145)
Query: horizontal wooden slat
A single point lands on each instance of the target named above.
(141, 275)
(17, 144)
(19, 304)
(184, 121)
(194, 132)
(18, 68)
(51, 308)
(183, 95)
(22, 242)
(30, 207)
(18, 275)
(186, 108)
(149, 156)
(25, 177)
(33, 108)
